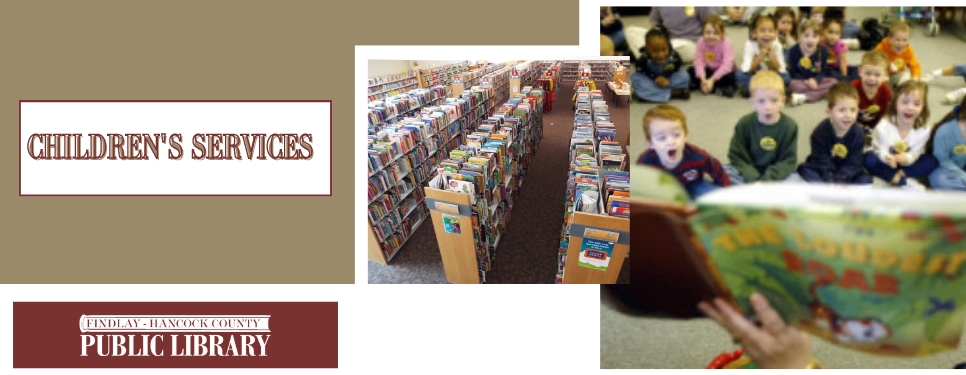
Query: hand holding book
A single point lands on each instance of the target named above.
(773, 344)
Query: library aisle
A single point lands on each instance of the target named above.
(527, 252)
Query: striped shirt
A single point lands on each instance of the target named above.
(695, 163)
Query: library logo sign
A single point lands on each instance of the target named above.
(190, 335)
(175, 147)
(282, 335)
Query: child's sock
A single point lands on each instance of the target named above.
(937, 72)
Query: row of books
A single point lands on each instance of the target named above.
(382, 111)
(486, 168)
(596, 182)
(424, 138)
(377, 81)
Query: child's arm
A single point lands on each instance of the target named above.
(748, 62)
(794, 68)
(881, 141)
(841, 56)
(738, 155)
(917, 145)
(643, 68)
(727, 60)
(822, 63)
(913, 63)
(699, 52)
(779, 61)
(853, 161)
(943, 143)
(713, 168)
(676, 60)
(821, 156)
(787, 157)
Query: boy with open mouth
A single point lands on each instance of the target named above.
(666, 129)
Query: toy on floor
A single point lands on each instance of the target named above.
(733, 360)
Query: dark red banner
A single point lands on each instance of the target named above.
(175, 335)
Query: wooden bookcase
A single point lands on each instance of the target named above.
(584, 223)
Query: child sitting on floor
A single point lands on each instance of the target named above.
(899, 141)
(714, 60)
(903, 64)
(837, 142)
(807, 64)
(765, 142)
(874, 92)
(659, 76)
(837, 62)
(762, 52)
(666, 129)
(948, 145)
(787, 32)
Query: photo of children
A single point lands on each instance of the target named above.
(884, 115)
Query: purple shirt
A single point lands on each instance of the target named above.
(720, 58)
(837, 54)
(679, 25)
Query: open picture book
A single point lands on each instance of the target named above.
(875, 269)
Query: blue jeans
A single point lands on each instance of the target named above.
(733, 174)
(701, 187)
(744, 79)
(646, 89)
(850, 30)
(809, 174)
(618, 38)
(925, 165)
(944, 179)
(960, 70)
(837, 74)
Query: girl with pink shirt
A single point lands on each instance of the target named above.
(837, 65)
(714, 60)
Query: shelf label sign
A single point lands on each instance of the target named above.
(595, 254)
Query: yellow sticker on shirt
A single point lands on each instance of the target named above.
(669, 68)
(710, 56)
(873, 109)
(806, 62)
(768, 143)
(899, 147)
(689, 11)
(840, 150)
(960, 150)
(899, 63)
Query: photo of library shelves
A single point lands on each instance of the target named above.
(498, 172)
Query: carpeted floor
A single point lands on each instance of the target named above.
(628, 342)
(527, 252)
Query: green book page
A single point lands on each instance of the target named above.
(655, 184)
(846, 267)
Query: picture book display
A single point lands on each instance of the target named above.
(875, 270)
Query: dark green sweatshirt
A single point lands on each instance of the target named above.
(764, 152)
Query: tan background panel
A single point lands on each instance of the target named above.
(254, 50)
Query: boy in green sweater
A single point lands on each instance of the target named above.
(764, 145)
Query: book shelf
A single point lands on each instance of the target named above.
(432, 124)
(602, 70)
(594, 239)
(442, 75)
(568, 70)
(402, 150)
(471, 199)
(391, 85)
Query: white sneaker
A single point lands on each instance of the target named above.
(927, 78)
(798, 99)
(853, 44)
(955, 97)
(913, 184)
